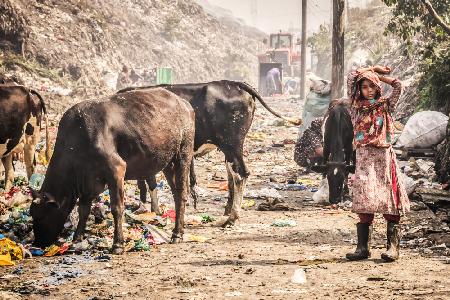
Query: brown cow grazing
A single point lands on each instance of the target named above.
(131, 136)
(21, 113)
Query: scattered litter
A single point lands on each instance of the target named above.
(103, 257)
(376, 278)
(274, 205)
(410, 184)
(321, 195)
(144, 218)
(55, 249)
(289, 291)
(219, 186)
(233, 294)
(197, 238)
(36, 251)
(264, 193)
(289, 186)
(246, 204)
(81, 246)
(51, 250)
(207, 218)
(257, 136)
(170, 214)
(36, 181)
(193, 220)
(59, 91)
(345, 204)
(318, 261)
(10, 251)
(299, 276)
(284, 223)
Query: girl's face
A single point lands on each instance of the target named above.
(368, 89)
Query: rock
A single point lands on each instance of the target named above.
(427, 251)
(439, 247)
(418, 205)
(410, 184)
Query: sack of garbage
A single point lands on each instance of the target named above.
(322, 194)
(316, 106)
(321, 86)
(423, 130)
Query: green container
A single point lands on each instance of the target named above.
(164, 76)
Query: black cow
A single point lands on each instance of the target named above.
(21, 114)
(338, 150)
(131, 136)
(223, 115)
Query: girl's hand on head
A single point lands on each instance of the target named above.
(382, 69)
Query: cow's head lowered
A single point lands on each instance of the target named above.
(336, 173)
(48, 218)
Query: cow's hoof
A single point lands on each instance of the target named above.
(176, 240)
(117, 249)
(77, 240)
(228, 223)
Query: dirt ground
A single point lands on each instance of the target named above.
(252, 260)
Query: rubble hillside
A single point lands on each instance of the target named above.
(78, 44)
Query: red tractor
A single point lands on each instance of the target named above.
(281, 54)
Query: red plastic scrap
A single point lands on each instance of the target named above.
(170, 214)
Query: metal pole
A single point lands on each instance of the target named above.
(303, 54)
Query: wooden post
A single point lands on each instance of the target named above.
(303, 53)
(337, 56)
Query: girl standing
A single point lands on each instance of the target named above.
(378, 187)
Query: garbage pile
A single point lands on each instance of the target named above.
(429, 231)
(142, 228)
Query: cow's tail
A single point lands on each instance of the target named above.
(249, 89)
(47, 135)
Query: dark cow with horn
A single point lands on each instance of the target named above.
(223, 115)
(130, 136)
(338, 149)
(21, 114)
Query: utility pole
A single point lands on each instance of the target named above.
(254, 12)
(337, 56)
(303, 53)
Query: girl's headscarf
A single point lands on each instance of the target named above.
(368, 75)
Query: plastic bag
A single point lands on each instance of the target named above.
(322, 194)
(9, 251)
(410, 184)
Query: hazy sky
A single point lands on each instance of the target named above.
(274, 15)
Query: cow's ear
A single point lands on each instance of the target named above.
(350, 168)
(35, 195)
(319, 168)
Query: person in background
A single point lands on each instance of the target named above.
(273, 82)
(309, 148)
(135, 77)
(123, 80)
